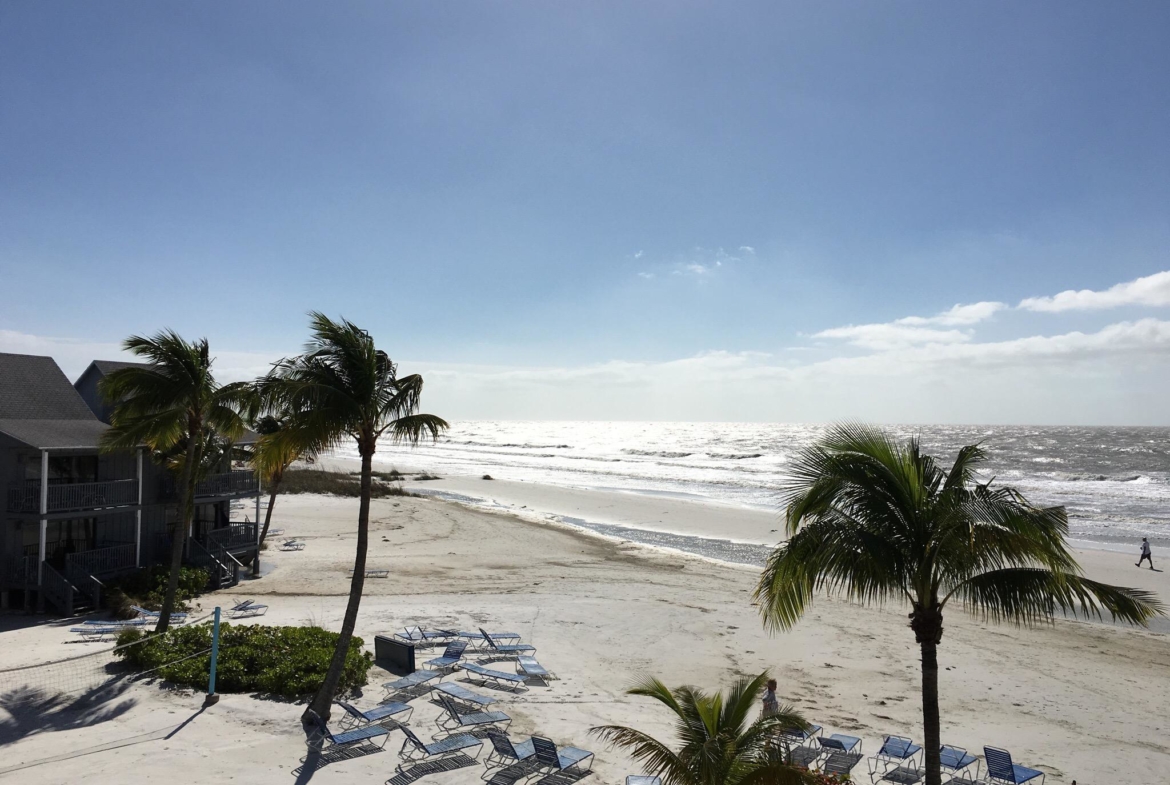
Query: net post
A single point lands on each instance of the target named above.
(213, 698)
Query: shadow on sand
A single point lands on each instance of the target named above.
(33, 710)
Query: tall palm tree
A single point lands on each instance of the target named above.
(173, 402)
(717, 743)
(343, 387)
(875, 520)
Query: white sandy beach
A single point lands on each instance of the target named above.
(1081, 701)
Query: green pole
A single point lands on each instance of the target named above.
(212, 698)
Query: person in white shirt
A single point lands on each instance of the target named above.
(1145, 554)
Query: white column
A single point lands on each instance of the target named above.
(259, 486)
(44, 533)
(138, 517)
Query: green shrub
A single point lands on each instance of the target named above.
(285, 661)
(147, 586)
(339, 484)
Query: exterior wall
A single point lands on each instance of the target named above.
(87, 387)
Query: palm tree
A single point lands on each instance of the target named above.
(343, 387)
(271, 457)
(875, 520)
(170, 404)
(717, 744)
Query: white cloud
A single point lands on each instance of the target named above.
(638, 255)
(74, 356)
(958, 315)
(912, 330)
(748, 250)
(647, 276)
(1152, 290)
(892, 335)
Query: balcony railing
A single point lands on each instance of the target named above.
(19, 572)
(234, 536)
(234, 483)
(68, 497)
(103, 561)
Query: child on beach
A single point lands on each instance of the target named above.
(1146, 554)
(771, 705)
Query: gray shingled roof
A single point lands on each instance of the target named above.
(108, 366)
(34, 388)
(56, 434)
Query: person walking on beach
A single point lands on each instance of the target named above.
(1145, 554)
(771, 705)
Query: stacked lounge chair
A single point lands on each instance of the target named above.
(415, 684)
(512, 681)
(472, 700)
(557, 765)
(415, 750)
(418, 635)
(243, 610)
(176, 618)
(494, 647)
(477, 639)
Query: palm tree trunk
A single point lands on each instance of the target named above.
(928, 636)
(179, 535)
(324, 698)
(267, 520)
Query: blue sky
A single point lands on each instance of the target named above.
(660, 210)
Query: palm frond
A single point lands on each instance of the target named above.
(1030, 595)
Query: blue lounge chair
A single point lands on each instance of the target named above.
(292, 545)
(414, 750)
(243, 610)
(350, 738)
(505, 752)
(416, 679)
(1000, 768)
(512, 681)
(139, 622)
(451, 720)
(643, 779)
(530, 668)
(801, 747)
(506, 649)
(419, 635)
(476, 638)
(451, 656)
(840, 753)
(355, 716)
(896, 752)
(563, 759)
(464, 695)
(956, 761)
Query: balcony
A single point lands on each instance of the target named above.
(242, 482)
(233, 537)
(73, 497)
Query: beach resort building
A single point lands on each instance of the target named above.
(74, 516)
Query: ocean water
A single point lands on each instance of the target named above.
(1114, 482)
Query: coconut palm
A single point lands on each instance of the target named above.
(172, 404)
(875, 520)
(717, 741)
(344, 388)
(271, 457)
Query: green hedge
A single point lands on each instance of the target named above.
(147, 586)
(285, 661)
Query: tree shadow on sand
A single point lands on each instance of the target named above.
(33, 710)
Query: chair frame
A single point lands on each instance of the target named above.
(415, 750)
(997, 780)
(503, 679)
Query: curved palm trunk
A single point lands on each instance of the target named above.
(179, 535)
(272, 491)
(324, 698)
